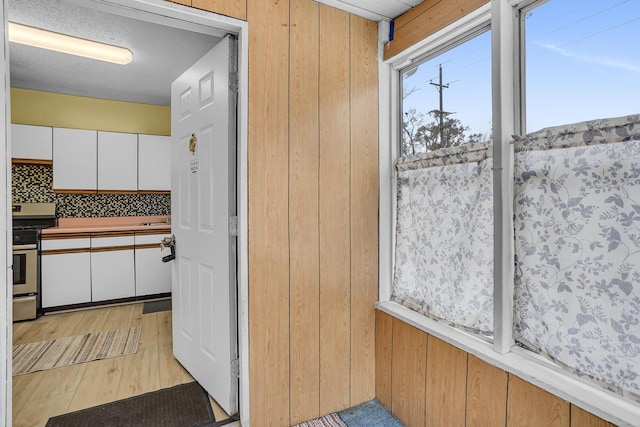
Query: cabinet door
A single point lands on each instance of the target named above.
(31, 142)
(66, 279)
(117, 161)
(112, 267)
(154, 163)
(75, 161)
(112, 275)
(152, 275)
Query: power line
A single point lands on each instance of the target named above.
(557, 16)
(600, 32)
(600, 12)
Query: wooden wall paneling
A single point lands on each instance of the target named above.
(364, 206)
(414, 13)
(303, 211)
(335, 280)
(425, 19)
(233, 8)
(530, 406)
(446, 384)
(408, 374)
(582, 418)
(486, 394)
(268, 152)
(384, 361)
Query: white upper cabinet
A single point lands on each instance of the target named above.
(31, 142)
(117, 161)
(75, 159)
(154, 163)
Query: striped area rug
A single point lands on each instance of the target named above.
(331, 420)
(57, 353)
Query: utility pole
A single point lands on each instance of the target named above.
(441, 113)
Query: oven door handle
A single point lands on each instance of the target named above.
(25, 247)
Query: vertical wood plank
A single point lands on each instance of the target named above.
(233, 8)
(582, 418)
(335, 281)
(384, 361)
(486, 394)
(303, 211)
(364, 206)
(446, 384)
(530, 406)
(408, 377)
(268, 158)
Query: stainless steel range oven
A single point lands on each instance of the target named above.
(28, 219)
(25, 275)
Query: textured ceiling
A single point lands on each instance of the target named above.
(160, 53)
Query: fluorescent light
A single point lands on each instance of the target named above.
(44, 39)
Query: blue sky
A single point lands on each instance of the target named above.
(582, 63)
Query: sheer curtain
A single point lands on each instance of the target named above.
(577, 231)
(444, 236)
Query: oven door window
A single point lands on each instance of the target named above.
(19, 269)
(25, 270)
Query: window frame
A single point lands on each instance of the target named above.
(504, 17)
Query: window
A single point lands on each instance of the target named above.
(446, 100)
(444, 234)
(577, 187)
(580, 61)
(573, 79)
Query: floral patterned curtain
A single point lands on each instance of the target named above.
(444, 236)
(577, 231)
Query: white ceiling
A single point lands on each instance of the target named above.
(159, 54)
(376, 10)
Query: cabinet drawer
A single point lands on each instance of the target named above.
(54, 244)
(106, 242)
(147, 239)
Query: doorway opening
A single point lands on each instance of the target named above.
(179, 18)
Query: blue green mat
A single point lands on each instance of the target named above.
(370, 414)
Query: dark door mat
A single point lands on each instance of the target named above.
(182, 405)
(370, 414)
(155, 306)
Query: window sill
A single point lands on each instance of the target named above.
(528, 366)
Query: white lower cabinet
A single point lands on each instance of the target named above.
(112, 268)
(152, 275)
(66, 272)
(102, 267)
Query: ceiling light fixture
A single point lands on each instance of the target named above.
(44, 39)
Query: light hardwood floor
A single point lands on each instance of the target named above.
(41, 395)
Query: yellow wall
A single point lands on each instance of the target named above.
(67, 111)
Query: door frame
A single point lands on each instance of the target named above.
(167, 13)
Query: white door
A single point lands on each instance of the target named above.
(203, 110)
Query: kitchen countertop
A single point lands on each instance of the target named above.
(102, 224)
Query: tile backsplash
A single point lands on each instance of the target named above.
(33, 183)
